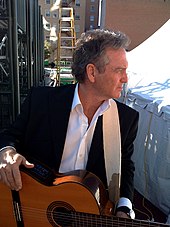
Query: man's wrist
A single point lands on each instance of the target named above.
(125, 205)
(130, 213)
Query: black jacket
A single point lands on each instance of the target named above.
(40, 131)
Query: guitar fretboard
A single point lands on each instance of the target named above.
(77, 219)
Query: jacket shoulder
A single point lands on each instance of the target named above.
(126, 108)
(48, 89)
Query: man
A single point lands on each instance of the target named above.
(62, 126)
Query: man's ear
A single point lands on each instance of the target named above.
(90, 70)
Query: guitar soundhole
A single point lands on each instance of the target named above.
(60, 214)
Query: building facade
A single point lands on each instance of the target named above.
(50, 17)
(139, 19)
(92, 14)
(86, 13)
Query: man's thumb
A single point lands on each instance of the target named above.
(27, 164)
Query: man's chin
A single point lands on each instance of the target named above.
(117, 96)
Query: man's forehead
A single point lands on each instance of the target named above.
(116, 56)
(119, 51)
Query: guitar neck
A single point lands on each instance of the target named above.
(85, 219)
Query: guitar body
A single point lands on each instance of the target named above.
(41, 205)
(77, 198)
(7, 217)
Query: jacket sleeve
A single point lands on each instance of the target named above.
(13, 136)
(128, 127)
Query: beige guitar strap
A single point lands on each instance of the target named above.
(112, 150)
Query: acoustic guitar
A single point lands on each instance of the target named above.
(77, 198)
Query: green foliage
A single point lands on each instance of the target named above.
(47, 49)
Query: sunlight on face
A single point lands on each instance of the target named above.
(110, 82)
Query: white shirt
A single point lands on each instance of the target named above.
(79, 137)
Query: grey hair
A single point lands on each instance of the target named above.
(90, 48)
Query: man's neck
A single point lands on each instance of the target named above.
(89, 101)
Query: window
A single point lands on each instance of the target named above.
(77, 28)
(54, 15)
(91, 18)
(48, 26)
(77, 2)
(77, 17)
(47, 13)
(47, 1)
(91, 26)
(64, 3)
(47, 37)
(92, 8)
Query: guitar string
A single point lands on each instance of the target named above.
(99, 222)
(64, 215)
(106, 222)
(84, 218)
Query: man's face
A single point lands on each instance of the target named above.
(109, 83)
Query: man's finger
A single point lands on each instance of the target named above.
(12, 177)
(17, 178)
(22, 161)
(5, 180)
(28, 164)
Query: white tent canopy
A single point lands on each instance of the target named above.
(153, 55)
(149, 67)
(148, 91)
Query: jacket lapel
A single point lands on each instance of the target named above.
(60, 102)
(96, 145)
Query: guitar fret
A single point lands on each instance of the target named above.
(94, 220)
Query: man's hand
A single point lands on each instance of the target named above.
(10, 161)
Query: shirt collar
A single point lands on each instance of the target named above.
(76, 101)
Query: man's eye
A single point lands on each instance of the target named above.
(119, 70)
